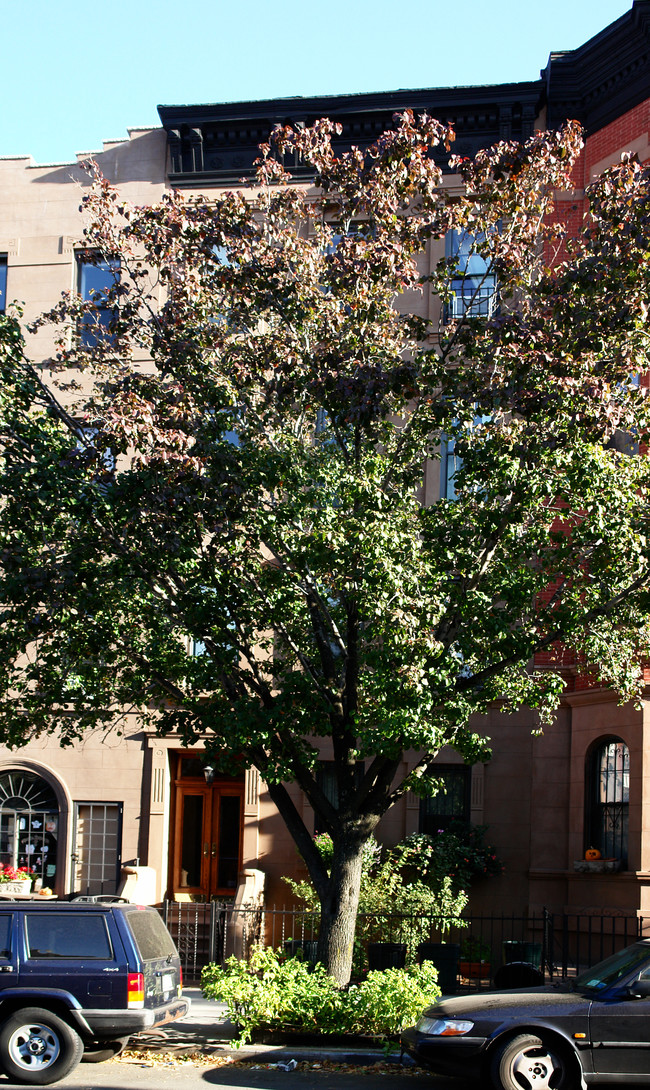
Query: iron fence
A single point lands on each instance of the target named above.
(543, 946)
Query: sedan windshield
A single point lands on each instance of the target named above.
(607, 972)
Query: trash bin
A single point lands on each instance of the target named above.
(518, 974)
(307, 949)
(445, 956)
(531, 952)
(386, 955)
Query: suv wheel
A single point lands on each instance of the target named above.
(37, 1047)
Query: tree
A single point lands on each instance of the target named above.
(256, 488)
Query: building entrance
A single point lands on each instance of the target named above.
(207, 831)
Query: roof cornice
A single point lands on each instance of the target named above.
(604, 78)
(217, 143)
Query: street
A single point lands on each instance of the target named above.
(121, 1075)
(160, 1064)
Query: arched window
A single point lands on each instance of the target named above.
(29, 823)
(607, 794)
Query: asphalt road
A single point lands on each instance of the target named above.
(118, 1075)
(206, 1029)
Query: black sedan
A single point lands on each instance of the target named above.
(590, 1030)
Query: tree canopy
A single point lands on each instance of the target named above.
(227, 533)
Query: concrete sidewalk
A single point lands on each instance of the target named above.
(207, 1029)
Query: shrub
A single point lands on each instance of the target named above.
(458, 854)
(277, 993)
(396, 899)
(387, 1001)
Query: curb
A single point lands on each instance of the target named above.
(280, 1053)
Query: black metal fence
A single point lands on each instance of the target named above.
(471, 952)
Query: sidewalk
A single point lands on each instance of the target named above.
(207, 1029)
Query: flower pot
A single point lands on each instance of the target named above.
(475, 970)
(307, 949)
(445, 957)
(596, 866)
(24, 886)
(386, 955)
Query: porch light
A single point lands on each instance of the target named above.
(208, 772)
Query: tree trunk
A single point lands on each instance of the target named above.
(339, 906)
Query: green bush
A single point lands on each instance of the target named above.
(277, 993)
(396, 903)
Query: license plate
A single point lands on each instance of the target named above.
(167, 982)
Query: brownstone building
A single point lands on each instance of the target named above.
(77, 815)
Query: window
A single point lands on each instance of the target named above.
(50, 935)
(450, 463)
(452, 802)
(151, 936)
(607, 795)
(472, 284)
(6, 922)
(107, 458)
(326, 780)
(3, 283)
(29, 823)
(97, 277)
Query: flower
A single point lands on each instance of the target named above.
(11, 874)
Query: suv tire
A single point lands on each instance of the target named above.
(37, 1047)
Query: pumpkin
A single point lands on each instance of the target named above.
(592, 853)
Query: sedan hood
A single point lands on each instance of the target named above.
(544, 1001)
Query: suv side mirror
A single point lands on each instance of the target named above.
(640, 988)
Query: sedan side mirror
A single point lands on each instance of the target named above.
(640, 989)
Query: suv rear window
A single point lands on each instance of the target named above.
(151, 936)
(55, 934)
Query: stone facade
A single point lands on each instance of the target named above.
(122, 798)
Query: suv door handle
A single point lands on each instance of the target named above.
(6, 969)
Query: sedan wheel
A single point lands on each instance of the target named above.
(37, 1047)
(527, 1063)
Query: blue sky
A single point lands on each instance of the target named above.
(76, 73)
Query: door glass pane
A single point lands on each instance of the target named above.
(98, 846)
(229, 829)
(191, 841)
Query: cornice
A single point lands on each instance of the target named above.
(604, 78)
(217, 143)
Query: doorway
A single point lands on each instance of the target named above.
(207, 831)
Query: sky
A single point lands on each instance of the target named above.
(76, 73)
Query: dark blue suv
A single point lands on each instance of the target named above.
(77, 980)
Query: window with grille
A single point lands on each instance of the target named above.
(473, 284)
(451, 803)
(607, 798)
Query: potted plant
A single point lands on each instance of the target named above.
(15, 880)
(474, 958)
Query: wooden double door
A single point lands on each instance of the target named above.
(207, 832)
